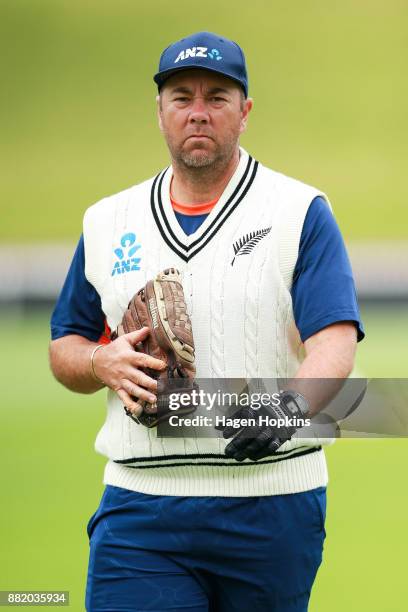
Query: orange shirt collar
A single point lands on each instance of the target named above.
(192, 209)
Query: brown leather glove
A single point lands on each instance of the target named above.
(160, 305)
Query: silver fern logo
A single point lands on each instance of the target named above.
(247, 243)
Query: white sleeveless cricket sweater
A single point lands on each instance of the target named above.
(237, 272)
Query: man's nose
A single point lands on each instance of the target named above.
(198, 111)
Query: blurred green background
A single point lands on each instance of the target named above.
(78, 110)
(77, 123)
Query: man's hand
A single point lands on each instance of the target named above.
(260, 440)
(329, 361)
(118, 365)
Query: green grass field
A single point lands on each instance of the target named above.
(78, 104)
(51, 481)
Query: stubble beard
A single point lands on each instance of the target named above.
(203, 162)
(196, 160)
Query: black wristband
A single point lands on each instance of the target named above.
(295, 402)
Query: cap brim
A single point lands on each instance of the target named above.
(161, 77)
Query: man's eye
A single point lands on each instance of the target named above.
(217, 99)
(181, 99)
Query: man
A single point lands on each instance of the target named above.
(184, 525)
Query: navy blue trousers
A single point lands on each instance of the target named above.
(204, 554)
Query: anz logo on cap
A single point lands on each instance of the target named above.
(214, 54)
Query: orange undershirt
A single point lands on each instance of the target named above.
(192, 209)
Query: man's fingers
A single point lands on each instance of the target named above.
(255, 447)
(142, 360)
(248, 441)
(237, 445)
(127, 401)
(259, 450)
(137, 391)
(140, 378)
(274, 445)
(243, 449)
(135, 337)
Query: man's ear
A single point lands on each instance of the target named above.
(247, 107)
(159, 117)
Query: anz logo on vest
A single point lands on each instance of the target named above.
(125, 253)
(214, 54)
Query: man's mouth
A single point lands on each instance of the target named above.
(199, 137)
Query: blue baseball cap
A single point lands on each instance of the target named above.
(204, 50)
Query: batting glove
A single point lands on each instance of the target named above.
(273, 426)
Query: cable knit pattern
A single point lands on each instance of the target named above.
(251, 324)
(216, 328)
